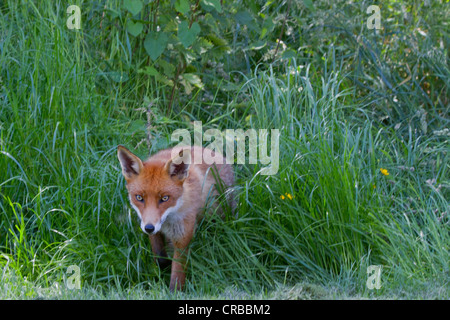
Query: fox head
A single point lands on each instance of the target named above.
(155, 187)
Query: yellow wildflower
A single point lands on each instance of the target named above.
(287, 195)
(384, 171)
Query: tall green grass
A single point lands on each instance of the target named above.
(63, 200)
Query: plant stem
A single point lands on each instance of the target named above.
(193, 13)
(282, 29)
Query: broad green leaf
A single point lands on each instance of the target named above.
(290, 53)
(182, 6)
(155, 43)
(263, 33)
(137, 125)
(258, 45)
(203, 45)
(151, 71)
(187, 36)
(268, 3)
(221, 45)
(134, 6)
(309, 5)
(164, 80)
(216, 40)
(267, 27)
(208, 5)
(244, 17)
(193, 79)
(134, 29)
(169, 69)
(187, 86)
(114, 13)
(189, 80)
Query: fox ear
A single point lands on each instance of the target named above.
(179, 165)
(131, 164)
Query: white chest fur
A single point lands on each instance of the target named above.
(172, 224)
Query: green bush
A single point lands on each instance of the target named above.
(364, 148)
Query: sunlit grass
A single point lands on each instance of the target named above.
(361, 181)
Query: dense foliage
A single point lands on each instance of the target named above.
(364, 144)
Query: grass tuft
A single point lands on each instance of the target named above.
(363, 166)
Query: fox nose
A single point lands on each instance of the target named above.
(149, 228)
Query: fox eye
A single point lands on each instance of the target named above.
(164, 199)
(139, 198)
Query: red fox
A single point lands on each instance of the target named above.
(169, 194)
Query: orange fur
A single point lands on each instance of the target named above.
(186, 187)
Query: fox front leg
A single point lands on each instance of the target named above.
(180, 254)
(178, 274)
(159, 251)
